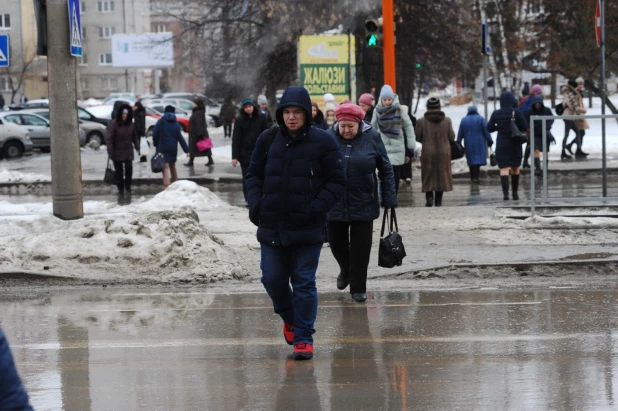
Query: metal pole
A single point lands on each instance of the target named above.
(603, 131)
(66, 168)
(485, 86)
(349, 65)
(388, 37)
(532, 187)
(545, 160)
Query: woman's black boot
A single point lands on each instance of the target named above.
(505, 187)
(429, 198)
(515, 185)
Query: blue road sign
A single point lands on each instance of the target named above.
(5, 59)
(75, 25)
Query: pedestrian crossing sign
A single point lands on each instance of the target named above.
(4, 50)
(75, 25)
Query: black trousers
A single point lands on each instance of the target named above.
(475, 172)
(397, 172)
(244, 167)
(406, 171)
(227, 130)
(350, 244)
(124, 174)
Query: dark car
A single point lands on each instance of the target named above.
(84, 114)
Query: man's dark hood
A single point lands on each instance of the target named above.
(122, 107)
(537, 99)
(295, 96)
(508, 100)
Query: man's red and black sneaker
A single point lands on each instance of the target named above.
(303, 351)
(288, 333)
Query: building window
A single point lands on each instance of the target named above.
(105, 6)
(5, 21)
(160, 28)
(83, 32)
(106, 32)
(82, 8)
(109, 83)
(83, 60)
(105, 59)
(84, 84)
(5, 84)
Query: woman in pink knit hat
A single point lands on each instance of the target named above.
(366, 103)
(350, 221)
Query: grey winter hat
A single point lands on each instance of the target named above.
(433, 104)
(262, 99)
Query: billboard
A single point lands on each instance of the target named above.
(150, 50)
(325, 66)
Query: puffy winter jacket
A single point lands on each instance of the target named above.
(396, 147)
(473, 132)
(167, 135)
(292, 185)
(362, 155)
(247, 129)
(13, 396)
(508, 150)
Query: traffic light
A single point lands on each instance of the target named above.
(418, 65)
(373, 33)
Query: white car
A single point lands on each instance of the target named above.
(38, 128)
(14, 141)
(94, 131)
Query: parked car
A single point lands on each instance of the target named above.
(94, 131)
(38, 129)
(186, 105)
(84, 114)
(42, 103)
(14, 140)
(182, 116)
(119, 96)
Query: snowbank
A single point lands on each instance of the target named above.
(10, 176)
(160, 239)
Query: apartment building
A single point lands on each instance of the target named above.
(100, 20)
(27, 74)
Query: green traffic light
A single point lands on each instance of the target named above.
(372, 40)
(418, 65)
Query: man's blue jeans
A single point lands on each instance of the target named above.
(297, 305)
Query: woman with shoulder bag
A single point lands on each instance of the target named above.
(350, 221)
(509, 152)
(198, 131)
(121, 140)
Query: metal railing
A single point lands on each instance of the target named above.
(545, 189)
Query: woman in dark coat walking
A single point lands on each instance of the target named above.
(473, 132)
(198, 130)
(121, 140)
(166, 137)
(539, 109)
(435, 132)
(140, 124)
(317, 117)
(508, 150)
(350, 221)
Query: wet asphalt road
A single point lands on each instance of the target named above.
(547, 349)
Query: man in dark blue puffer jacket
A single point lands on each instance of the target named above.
(295, 177)
(13, 396)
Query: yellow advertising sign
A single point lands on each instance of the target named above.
(325, 66)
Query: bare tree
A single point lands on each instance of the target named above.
(17, 75)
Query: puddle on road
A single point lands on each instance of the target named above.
(467, 349)
(590, 256)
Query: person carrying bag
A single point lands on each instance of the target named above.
(391, 251)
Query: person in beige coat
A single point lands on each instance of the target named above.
(573, 104)
(435, 132)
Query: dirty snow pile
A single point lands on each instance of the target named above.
(10, 176)
(160, 239)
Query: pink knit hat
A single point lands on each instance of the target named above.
(366, 99)
(536, 89)
(350, 112)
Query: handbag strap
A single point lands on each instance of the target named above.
(394, 221)
(384, 222)
(513, 116)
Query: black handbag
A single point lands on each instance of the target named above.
(457, 150)
(492, 159)
(516, 134)
(560, 109)
(391, 252)
(157, 163)
(110, 174)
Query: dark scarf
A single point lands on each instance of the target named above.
(389, 120)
